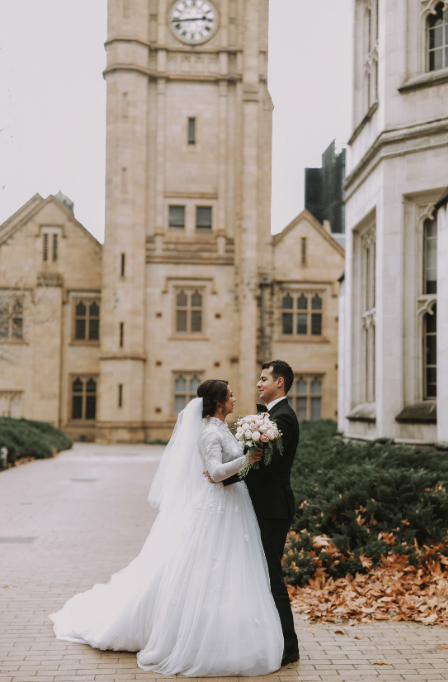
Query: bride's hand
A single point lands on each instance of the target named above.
(207, 475)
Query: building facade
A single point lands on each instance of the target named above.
(391, 337)
(193, 285)
(324, 194)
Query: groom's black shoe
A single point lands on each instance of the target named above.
(290, 657)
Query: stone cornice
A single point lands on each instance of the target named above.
(389, 137)
(189, 259)
(154, 74)
(199, 49)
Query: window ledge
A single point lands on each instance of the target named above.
(189, 337)
(302, 339)
(366, 412)
(424, 80)
(78, 342)
(419, 413)
(14, 342)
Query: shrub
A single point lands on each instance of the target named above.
(30, 438)
(357, 502)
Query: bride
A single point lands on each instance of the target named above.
(197, 600)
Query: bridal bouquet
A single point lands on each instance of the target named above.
(255, 431)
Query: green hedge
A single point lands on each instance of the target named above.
(365, 500)
(30, 438)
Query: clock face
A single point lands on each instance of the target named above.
(193, 21)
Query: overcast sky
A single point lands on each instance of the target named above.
(52, 109)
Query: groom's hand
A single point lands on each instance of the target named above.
(257, 455)
(207, 475)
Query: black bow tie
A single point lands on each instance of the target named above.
(262, 408)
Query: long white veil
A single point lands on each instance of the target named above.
(179, 476)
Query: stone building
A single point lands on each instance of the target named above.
(50, 304)
(391, 338)
(193, 283)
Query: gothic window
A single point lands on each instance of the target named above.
(368, 261)
(203, 218)
(302, 314)
(87, 320)
(430, 353)
(305, 397)
(45, 246)
(50, 246)
(120, 395)
(185, 389)
(11, 318)
(189, 311)
(123, 265)
(430, 255)
(429, 309)
(84, 390)
(191, 131)
(176, 217)
(11, 404)
(438, 38)
(287, 314)
(371, 52)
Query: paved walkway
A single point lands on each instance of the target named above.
(74, 520)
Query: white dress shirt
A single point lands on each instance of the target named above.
(269, 406)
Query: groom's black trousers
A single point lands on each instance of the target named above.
(273, 537)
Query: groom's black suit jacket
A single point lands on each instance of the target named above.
(270, 486)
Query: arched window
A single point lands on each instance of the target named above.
(430, 251)
(185, 388)
(189, 311)
(84, 398)
(302, 314)
(87, 321)
(430, 353)
(287, 317)
(438, 38)
(305, 397)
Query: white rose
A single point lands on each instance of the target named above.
(270, 434)
(248, 433)
(263, 428)
(253, 427)
(249, 443)
(258, 423)
(256, 436)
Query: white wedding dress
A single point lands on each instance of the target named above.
(197, 600)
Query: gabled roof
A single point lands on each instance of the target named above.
(306, 215)
(30, 209)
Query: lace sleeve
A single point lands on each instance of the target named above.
(213, 460)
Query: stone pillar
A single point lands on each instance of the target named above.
(254, 243)
(123, 310)
(442, 322)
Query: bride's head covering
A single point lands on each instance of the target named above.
(179, 475)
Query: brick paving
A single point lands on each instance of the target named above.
(83, 515)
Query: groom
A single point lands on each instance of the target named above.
(271, 493)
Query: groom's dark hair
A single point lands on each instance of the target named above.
(280, 368)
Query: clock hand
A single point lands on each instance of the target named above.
(178, 21)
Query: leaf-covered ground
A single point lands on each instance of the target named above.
(369, 540)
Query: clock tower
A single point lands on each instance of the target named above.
(187, 253)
